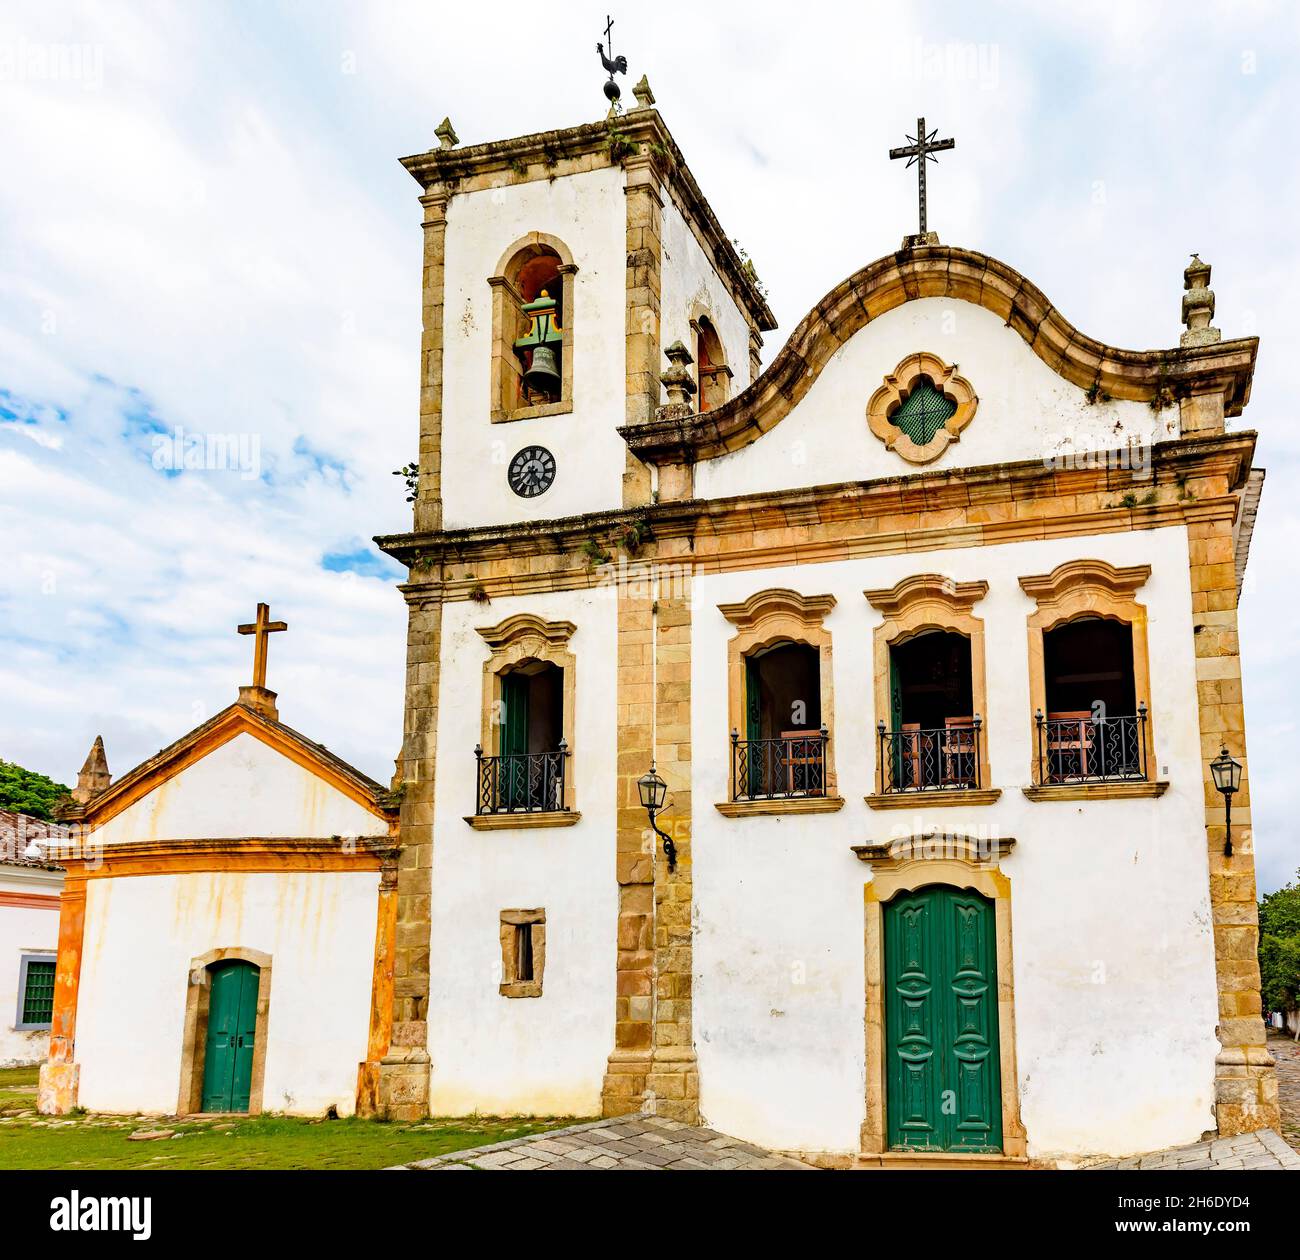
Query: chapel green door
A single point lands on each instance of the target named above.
(232, 1024)
(943, 1075)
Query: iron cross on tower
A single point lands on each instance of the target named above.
(261, 629)
(924, 146)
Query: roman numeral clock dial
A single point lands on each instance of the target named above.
(531, 472)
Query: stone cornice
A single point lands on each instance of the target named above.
(926, 588)
(935, 846)
(235, 853)
(1224, 367)
(1227, 456)
(780, 603)
(1073, 575)
(524, 626)
(641, 134)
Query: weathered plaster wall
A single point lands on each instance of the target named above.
(243, 788)
(533, 1055)
(688, 279)
(141, 934)
(1025, 409)
(1114, 967)
(588, 212)
(24, 930)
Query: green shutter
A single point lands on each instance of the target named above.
(514, 716)
(753, 727)
(894, 724)
(38, 992)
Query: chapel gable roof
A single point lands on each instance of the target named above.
(218, 730)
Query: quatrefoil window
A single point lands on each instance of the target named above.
(921, 407)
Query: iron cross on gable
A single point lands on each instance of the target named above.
(923, 147)
(261, 629)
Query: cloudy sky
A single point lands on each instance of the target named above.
(204, 228)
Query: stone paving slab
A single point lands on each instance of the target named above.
(656, 1144)
(643, 1143)
(1286, 1053)
(1264, 1150)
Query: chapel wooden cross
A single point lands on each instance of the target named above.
(923, 147)
(260, 629)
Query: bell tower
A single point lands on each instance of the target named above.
(556, 268)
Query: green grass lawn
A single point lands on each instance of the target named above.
(28, 1140)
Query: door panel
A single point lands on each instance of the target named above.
(228, 1046)
(943, 1087)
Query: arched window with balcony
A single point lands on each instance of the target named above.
(523, 771)
(930, 696)
(532, 333)
(780, 704)
(1089, 679)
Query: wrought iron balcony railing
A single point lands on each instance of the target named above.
(1080, 748)
(768, 769)
(914, 759)
(520, 782)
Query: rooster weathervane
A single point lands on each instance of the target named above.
(615, 65)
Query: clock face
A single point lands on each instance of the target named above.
(531, 472)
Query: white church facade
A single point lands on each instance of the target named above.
(921, 641)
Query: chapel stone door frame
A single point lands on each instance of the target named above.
(907, 865)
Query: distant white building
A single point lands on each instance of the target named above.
(29, 934)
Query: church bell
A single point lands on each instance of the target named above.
(539, 345)
(543, 376)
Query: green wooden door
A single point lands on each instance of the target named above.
(232, 1025)
(943, 1075)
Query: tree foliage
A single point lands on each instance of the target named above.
(1279, 948)
(28, 792)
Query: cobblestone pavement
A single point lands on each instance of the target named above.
(1249, 1150)
(1287, 1054)
(648, 1143)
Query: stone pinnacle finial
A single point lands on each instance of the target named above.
(1198, 305)
(645, 98)
(446, 133)
(678, 381)
(94, 777)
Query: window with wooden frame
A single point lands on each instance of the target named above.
(523, 952)
(780, 705)
(532, 329)
(1090, 682)
(35, 992)
(930, 694)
